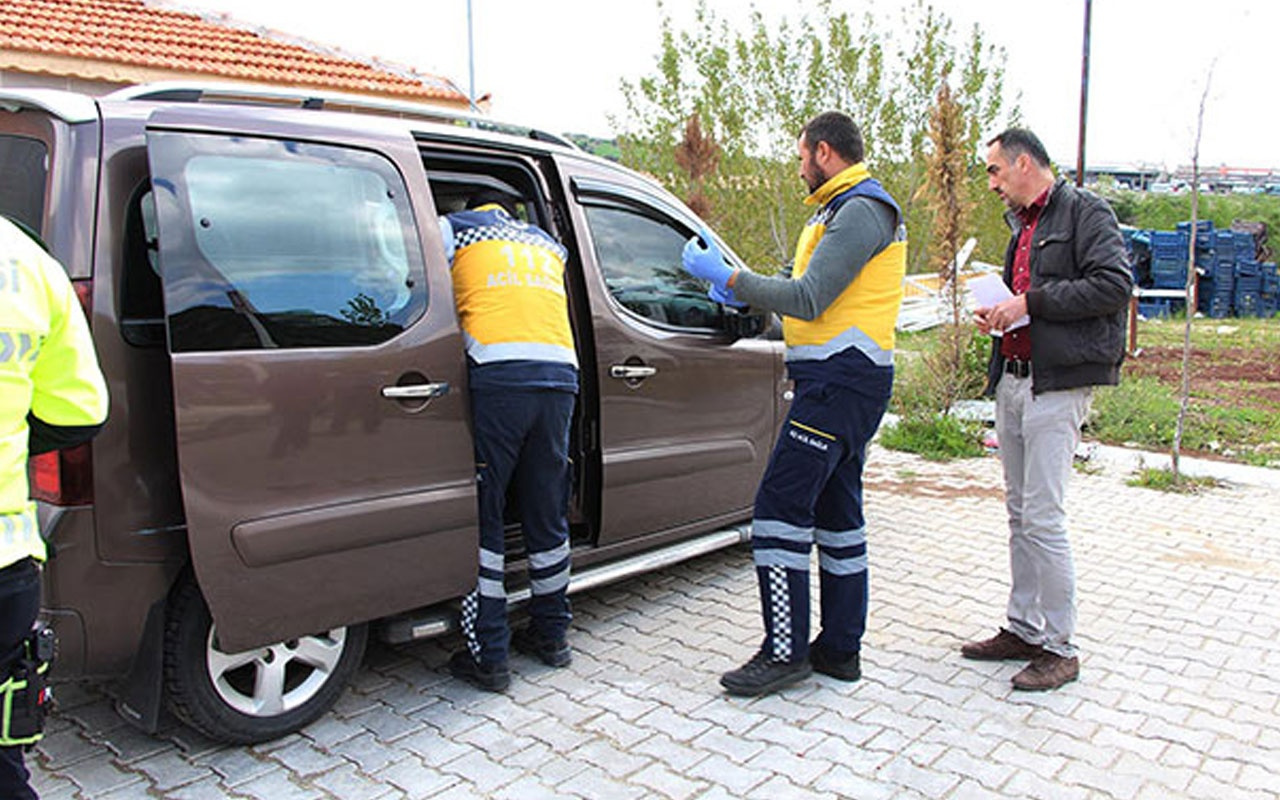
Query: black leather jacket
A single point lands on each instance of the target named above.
(1080, 289)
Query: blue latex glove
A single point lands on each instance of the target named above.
(725, 297)
(705, 262)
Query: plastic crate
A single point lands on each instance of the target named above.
(1159, 307)
(1175, 241)
(1168, 273)
(1248, 304)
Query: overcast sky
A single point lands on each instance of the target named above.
(557, 64)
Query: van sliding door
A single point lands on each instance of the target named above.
(324, 456)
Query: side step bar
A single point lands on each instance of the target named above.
(439, 620)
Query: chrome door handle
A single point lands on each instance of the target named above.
(417, 391)
(630, 372)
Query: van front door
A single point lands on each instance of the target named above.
(324, 455)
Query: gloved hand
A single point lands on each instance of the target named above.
(725, 297)
(702, 259)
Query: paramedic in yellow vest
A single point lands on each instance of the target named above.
(508, 285)
(839, 307)
(52, 395)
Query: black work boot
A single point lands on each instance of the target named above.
(490, 677)
(552, 652)
(844, 668)
(761, 675)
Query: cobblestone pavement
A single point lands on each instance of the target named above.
(1179, 694)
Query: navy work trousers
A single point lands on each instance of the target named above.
(811, 494)
(521, 435)
(19, 603)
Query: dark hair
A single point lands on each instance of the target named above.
(486, 197)
(839, 132)
(1016, 141)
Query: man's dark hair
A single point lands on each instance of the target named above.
(486, 197)
(840, 133)
(1016, 141)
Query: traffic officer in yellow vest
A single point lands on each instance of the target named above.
(508, 283)
(839, 307)
(52, 395)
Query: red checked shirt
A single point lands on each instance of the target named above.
(1016, 344)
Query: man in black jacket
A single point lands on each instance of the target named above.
(1061, 334)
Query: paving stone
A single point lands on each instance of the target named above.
(415, 779)
(1178, 697)
(348, 783)
(666, 783)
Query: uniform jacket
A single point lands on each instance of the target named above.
(52, 393)
(1080, 289)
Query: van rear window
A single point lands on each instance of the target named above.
(24, 171)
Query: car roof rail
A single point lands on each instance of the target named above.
(285, 96)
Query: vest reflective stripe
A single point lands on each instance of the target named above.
(508, 284)
(518, 351)
(864, 315)
(20, 537)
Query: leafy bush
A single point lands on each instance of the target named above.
(937, 438)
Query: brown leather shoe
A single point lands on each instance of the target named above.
(1001, 647)
(1049, 671)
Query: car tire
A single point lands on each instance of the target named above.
(257, 695)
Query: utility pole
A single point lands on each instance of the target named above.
(1084, 95)
(471, 62)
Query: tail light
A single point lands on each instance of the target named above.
(65, 477)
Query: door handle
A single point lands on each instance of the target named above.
(417, 391)
(631, 372)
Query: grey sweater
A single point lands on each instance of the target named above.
(860, 228)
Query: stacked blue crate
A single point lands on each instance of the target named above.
(1248, 289)
(1169, 259)
(1204, 233)
(1270, 289)
(1217, 281)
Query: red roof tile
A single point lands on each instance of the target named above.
(130, 33)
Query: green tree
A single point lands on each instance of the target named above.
(753, 89)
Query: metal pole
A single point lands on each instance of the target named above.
(471, 62)
(1084, 94)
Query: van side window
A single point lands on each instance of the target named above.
(283, 244)
(24, 171)
(639, 256)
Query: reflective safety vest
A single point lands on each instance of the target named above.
(863, 316)
(508, 284)
(48, 368)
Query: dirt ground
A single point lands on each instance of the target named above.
(1230, 377)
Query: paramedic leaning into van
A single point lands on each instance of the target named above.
(839, 305)
(52, 395)
(508, 284)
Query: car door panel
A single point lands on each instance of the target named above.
(315, 493)
(686, 410)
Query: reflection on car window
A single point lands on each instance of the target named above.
(294, 246)
(640, 259)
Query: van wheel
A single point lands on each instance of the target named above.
(257, 695)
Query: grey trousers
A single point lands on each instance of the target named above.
(1038, 436)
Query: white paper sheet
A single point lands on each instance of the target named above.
(989, 289)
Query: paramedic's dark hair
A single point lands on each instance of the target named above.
(840, 133)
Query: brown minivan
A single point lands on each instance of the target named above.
(288, 458)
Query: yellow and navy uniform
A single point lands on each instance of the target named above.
(861, 320)
(811, 492)
(508, 284)
(48, 370)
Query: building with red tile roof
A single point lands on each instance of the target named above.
(97, 46)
